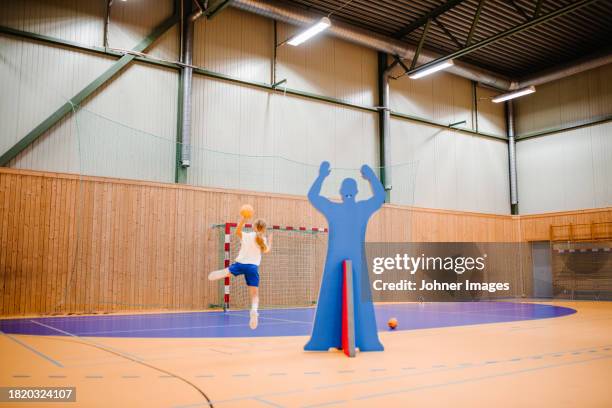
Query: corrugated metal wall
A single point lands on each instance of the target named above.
(235, 43)
(246, 121)
(131, 122)
(566, 102)
(279, 132)
(118, 119)
(571, 169)
(36, 80)
(455, 170)
(73, 20)
(330, 67)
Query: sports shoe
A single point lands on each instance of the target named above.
(254, 318)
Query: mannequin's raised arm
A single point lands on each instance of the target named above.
(314, 194)
(378, 191)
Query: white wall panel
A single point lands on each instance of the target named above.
(455, 171)
(288, 137)
(440, 97)
(127, 129)
(328, 66)
(128, 126)
(566, 102)
(491, 116)
(571, 169)
(167, 47)
(446, 98)
(142, 97)
(36, 80)
(131, 21)
(235, 43)
(601, 137)
(566, 171)
(73, 20)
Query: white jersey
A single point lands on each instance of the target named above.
(250, 253)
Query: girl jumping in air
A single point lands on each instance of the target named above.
(252, 245)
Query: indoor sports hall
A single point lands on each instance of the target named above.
(305, 203)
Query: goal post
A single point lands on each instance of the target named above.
(290, 274)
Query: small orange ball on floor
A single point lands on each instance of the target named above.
(392, 323)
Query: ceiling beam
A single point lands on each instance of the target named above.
(538, 7)
(519, 9)
(504, 34)
(441, 9)
(215, 7)
(420, 46)
(474, 22)
(448, 33)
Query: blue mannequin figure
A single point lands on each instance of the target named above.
(347, 228)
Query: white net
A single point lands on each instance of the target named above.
(290, 274)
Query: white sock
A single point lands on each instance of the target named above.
(221, 273)
(254, 304)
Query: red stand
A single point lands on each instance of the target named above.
(348, 310)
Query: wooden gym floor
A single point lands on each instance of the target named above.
(562, 362)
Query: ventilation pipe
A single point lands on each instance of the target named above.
(512, 157)
(296, 16)
(384, 122)
(584, 64)
(189, 16)
(277, 10)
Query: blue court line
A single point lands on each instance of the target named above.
(33, 350)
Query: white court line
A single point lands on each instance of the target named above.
(238, 314)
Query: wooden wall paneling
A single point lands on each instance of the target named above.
(52, 279)
(40, 254)
(6, 189)
(140, 284)
(79, 244)
(37, 219)
(4, 206)
(11, 241)
(16, 267)
(7, 181)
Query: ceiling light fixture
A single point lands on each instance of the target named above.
(514, 94)
(435, 68)
(310, 32)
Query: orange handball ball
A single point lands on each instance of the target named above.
(392, 323)
(247, 211)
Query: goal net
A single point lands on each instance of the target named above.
(290, 274)
(582, 270)
(581, 261)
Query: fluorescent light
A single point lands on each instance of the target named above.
(514, 94)
(432, 69)
(321, 25)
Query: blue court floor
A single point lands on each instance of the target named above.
(275, 322)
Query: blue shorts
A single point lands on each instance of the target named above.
(250, 272)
